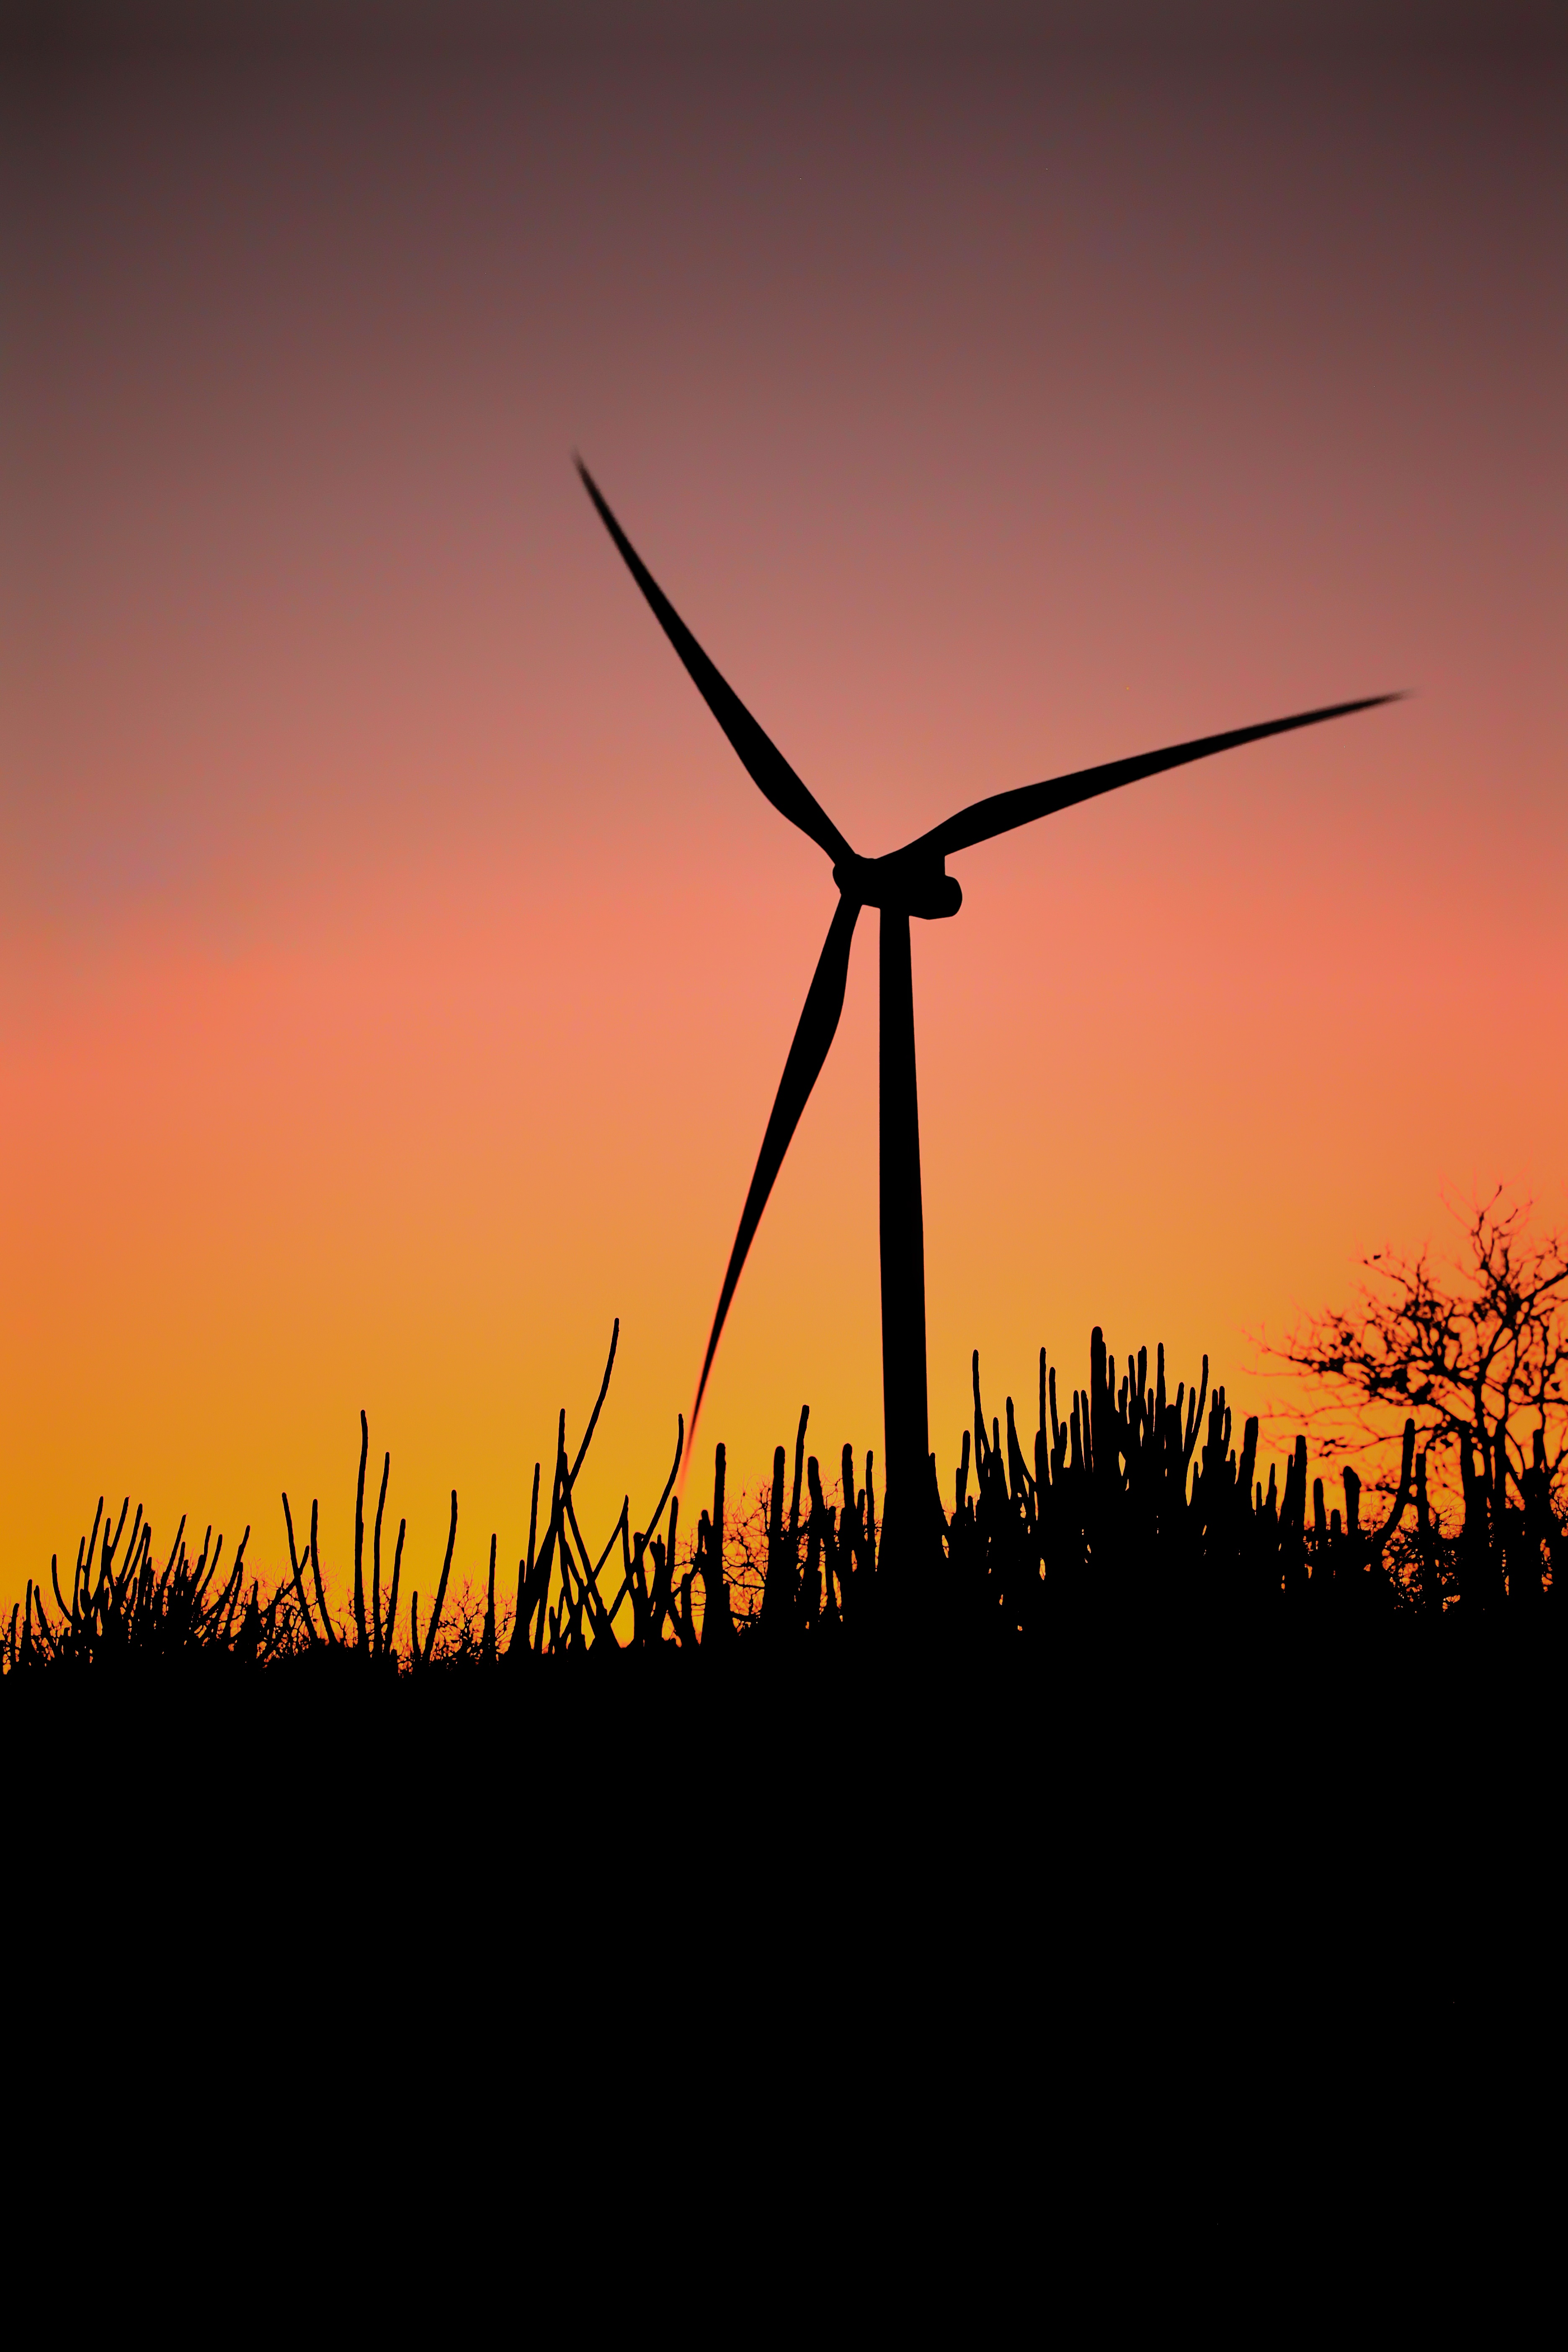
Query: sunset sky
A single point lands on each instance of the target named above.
(397, 966)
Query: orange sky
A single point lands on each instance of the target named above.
(395, 965)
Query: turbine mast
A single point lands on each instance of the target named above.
(904, 1228)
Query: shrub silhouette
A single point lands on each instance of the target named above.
(131, 1611)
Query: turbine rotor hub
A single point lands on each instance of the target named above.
(901, 885)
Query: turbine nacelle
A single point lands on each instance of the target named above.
(902, 883)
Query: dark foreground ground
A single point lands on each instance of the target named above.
(1381, 1826)
(1139, 1963)
(1230, 1983)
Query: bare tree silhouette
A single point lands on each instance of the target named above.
(1475, 1357)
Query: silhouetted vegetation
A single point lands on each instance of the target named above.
(1130, 1505)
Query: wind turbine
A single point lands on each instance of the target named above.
(912, 881)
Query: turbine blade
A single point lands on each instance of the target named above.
(759, 755)
(814, 1034)
(983, 820)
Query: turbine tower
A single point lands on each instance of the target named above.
(908, 882)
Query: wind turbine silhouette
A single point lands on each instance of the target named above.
(910, 881)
